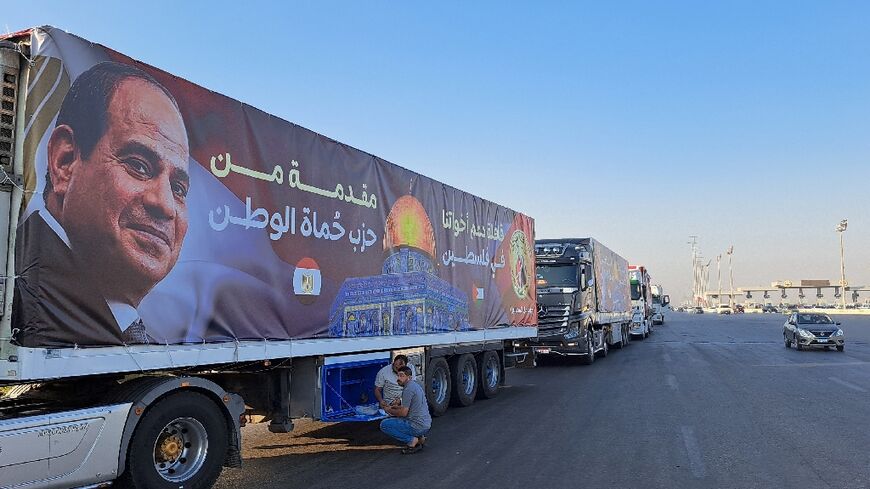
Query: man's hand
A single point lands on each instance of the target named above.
(396, 402)
(397, 411)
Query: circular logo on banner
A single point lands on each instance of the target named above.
(306, 280)
(519, 263)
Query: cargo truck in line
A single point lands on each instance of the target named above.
(584, 307)
(660, 303)
(177, 262)
(641, 301)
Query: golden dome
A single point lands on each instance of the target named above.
(408, 225)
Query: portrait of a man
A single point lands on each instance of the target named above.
(114, 217)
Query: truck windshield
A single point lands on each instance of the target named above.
(556, 276)
(635, 291)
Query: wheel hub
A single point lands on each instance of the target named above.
(170, 448)
(180, 449)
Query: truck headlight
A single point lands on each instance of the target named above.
(573, 332)
(805, 333)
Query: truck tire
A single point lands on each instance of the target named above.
(489, 375)
(589, 358)
(180, 442)
(463, 373)
(438, 386)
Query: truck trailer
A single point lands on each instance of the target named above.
(178, 262)
(584, 306)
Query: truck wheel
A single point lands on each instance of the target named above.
(438, 386)
(589, 359)
(181, 442)
(463, 372)
(489, 374)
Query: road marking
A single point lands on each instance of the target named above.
(696, 463)
(847, 384)
(811, 364)
(672, 382)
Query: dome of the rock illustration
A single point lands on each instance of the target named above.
(408, 225)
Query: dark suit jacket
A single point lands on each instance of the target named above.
(54, 305)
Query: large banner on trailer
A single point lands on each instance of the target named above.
(612, 286)
(160, 212)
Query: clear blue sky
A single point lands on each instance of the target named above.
(745, 123)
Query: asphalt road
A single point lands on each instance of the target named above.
(706, 401)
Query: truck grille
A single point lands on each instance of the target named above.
(553, 313)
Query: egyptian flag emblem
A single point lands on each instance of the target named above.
(478, 293)
(306, 280)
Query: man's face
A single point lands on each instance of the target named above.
(397, 364)
(402, 379)
(124, 206)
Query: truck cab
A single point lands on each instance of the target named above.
(660, 302)
(641, 301)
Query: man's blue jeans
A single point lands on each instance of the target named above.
(400, 429)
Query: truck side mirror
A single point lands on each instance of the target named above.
(666, 300)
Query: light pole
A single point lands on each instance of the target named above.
(719, 278)
(841, 228)
(731, 274)
(694, 244)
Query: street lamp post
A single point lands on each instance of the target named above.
(841, 228)
(719, 278)
(731, 274)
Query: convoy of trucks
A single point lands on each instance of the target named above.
(177, 263)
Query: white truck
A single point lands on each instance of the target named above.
(641, 301)
(177, 262)
(660, 302)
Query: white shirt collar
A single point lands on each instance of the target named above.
(124, 314)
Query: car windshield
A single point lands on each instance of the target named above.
(556, 276)
(813, 319)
